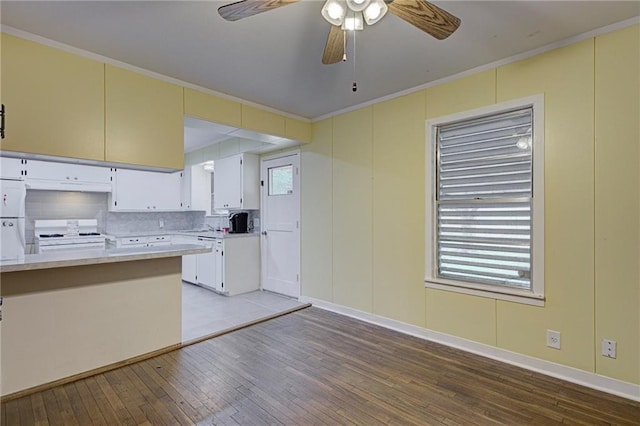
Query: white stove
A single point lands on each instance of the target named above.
(68, 234)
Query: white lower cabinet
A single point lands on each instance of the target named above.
(189, 268)
(219, 258)
(232, 267)
(206, 270)
(143, 241)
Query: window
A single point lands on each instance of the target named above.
(281, 180)
(485, 202)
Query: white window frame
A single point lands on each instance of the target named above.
(535, 296)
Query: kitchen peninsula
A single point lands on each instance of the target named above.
(65, 314)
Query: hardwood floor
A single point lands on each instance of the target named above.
(314, 367)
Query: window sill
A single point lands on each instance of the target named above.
(509, 295)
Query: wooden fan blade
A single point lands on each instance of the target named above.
(426, 16)
(334, 50)
(245, 8)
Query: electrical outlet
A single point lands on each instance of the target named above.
(553, 339)
(609, 348)
(161, 223)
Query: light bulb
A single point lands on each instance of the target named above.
(335, 11)
(358, 1)
(373, 11)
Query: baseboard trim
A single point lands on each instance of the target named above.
(569, 374)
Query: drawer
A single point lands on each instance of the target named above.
(132, 242)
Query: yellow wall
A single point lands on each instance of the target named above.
(592, 228)
(316, 208)
(352, 209)
(565, 76)
(398, 206)
(617, 196)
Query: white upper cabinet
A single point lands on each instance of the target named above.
(236, 184)
(145, 190)
(185, 188)
(12, 168)
(49, 175)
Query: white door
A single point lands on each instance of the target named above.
(280, 224)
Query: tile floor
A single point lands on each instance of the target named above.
(205, 312)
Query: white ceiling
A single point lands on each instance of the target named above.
(274, 59)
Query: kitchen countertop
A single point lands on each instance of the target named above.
(59, 259)
(190, 233)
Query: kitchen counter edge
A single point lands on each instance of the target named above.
(187, 233)
(95, 257)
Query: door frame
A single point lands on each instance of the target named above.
(263, 188)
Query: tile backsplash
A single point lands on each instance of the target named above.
(125, 222)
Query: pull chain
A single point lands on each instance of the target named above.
(344, 46)
(354, 87)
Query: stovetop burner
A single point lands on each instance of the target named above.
(50, 235)
(85, 234)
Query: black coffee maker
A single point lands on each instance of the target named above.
(238, 223)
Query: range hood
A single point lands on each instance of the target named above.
(56, 185)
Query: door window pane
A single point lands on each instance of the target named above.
(281, 180)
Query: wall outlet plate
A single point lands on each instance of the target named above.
(609, 348)
(553, 339)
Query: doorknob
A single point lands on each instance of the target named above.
(264, 233)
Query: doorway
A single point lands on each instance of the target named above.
(280, 227)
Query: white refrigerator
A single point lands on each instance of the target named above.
(12, 206)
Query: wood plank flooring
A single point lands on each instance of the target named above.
(314, 367)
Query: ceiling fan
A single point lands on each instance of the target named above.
(350, 14)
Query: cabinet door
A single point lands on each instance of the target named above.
(219, 251)
(50, 170)
(144, 120)
(143, 190)
(206, 267)
(166, 191)
(54, 101)
(189, 263)
(227, 183)
(12, 168)
(133, 190)
(200, 189)
(185, 188)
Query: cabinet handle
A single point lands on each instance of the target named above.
(2, 122)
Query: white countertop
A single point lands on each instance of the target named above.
(59, 259)
(190, 233)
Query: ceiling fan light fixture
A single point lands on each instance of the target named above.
(353, 21)
(375, 11)
(334, 11)
(358, 5)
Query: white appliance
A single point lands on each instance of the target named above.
(12, 238)
(68, 234)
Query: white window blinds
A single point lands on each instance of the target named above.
(484, 200)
